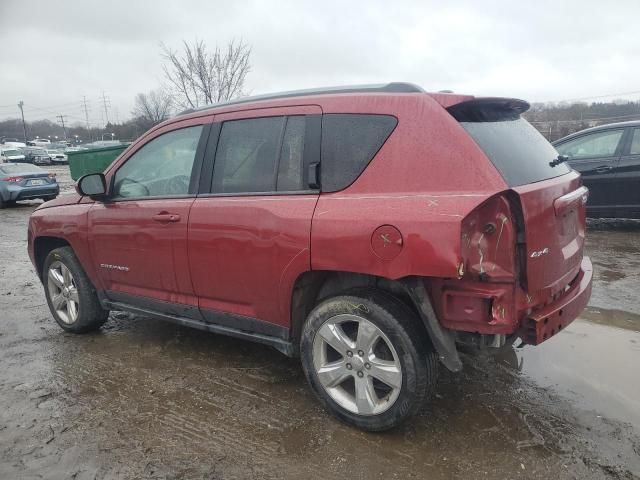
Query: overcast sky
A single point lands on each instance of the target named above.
(56, 52)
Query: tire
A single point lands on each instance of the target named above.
(71, 297)
(3, 204)
(50, 197)
(402, 354)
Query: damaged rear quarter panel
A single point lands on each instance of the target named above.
(424, 180)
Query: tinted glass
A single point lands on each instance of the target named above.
(519, 152)
(162, 167)
(635, 143)
(291, 155)
(247, 154)
(599, 144)
(349, 143)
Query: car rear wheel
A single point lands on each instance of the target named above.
(368, 359)
(71, 297)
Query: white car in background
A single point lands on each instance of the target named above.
(39, 142)
(11, 155)
(57, 157)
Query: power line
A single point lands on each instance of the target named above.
(586, 119)
(105, 99)
(637, 92)
(62, 117)
(24, 125)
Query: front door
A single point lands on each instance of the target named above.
(138, 238)
(628, 177)
(249, 235)
(596, 156)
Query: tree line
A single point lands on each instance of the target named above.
(194, 75)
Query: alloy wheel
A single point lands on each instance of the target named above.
(357, 365)
(63, 292)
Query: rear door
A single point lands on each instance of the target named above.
(138, 238)
(628, 177)
(250, 226)
(551, 197)
(596, 156)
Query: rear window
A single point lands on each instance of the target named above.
(519, 152)
(19, 168)
(349, 143)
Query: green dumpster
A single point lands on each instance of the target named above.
(94, 160)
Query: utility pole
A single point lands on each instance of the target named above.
(86, 115)
(24, 126)
(105, 99)
(62, 117)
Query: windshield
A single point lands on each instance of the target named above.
(519, 152)
(11, 153)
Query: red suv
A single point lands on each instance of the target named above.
(372, 231)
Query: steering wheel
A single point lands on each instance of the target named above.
(178, 185)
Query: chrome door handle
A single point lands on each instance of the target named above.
(166, 217)
(603, 169)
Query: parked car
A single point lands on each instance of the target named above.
(57, 157)
(20, 181)
(11, 155)
(37, 156)
(370, 230)
(608, 157)
(39, 142)
(12, 142)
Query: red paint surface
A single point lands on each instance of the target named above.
(243, 254)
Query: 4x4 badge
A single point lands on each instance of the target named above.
(539, 253)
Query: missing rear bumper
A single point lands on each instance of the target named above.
(551, 319)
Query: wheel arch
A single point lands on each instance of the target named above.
(312, 287)
(42, 246)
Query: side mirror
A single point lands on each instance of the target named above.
(92, 185)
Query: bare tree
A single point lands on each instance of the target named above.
(199, 76)
(153, 107)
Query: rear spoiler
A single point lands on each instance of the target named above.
(488, 109)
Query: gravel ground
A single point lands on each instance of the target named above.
(147, 399)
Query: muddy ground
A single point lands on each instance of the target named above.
(147, 399)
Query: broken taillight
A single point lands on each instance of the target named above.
(488, 242)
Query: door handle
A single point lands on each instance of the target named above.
(603, 169)
(166, 217)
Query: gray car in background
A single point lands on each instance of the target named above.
(21, 181)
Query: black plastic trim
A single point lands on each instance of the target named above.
(206, 175)
(488, 109)
(213, 321)
(312, 150)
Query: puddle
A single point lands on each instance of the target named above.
(593, 362)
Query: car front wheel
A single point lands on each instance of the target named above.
(71, 297)
(368, 359)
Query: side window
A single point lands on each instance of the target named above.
(635, 142)
(599, 144)
(349, 143)
(160, 168)
(260, 155)
(291, 156)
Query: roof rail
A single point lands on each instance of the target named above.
(393, 87)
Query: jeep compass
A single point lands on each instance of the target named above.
(373, 231)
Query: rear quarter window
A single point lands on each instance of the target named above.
(349, 143)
